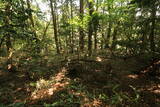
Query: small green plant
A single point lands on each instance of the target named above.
(55, 104)
(76, 86)
(137, 96)
(19, 104)
(103, 97)
(2, 105)
(120, 97)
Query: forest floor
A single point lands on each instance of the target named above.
(70, 82)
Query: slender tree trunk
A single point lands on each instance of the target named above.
(96, 27)
(114, 38)
(8, 38)
(95, 39)
(109, 28)
(30, 13)
(45, 30)
(2, 40)
(102, 29)
(37, 49)
(54, 26)
(144, 37)
(81, 33)
(72, 34)
(31, 19)
(63, 19)
(60, 44)
(108, 35)
(58, 30)
(90, 27)
(152, 33)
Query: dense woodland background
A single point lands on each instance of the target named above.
(80, 53)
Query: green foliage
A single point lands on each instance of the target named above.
(103, 97)
(17, 25)
(20, 104)
(55, 104)
(119, 97)
(75, 86)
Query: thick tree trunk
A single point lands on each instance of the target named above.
(81, 33)
(55, 26)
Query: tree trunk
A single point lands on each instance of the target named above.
(102, 29)
(96, 27)
(30, 13)
(108, 35)
(72, 37)
(109, 29)
(152, 34)
(90, 28)
(114, 38)
(37, 49)
(144, 37)
(2, 40)
(81, 33)
(8, 38)
(54, 26)
(45, 30)
(31, 18)
(95, 39)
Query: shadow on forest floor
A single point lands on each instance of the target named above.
(95, 82)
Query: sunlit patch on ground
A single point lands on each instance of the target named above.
(132, 76)
(94, 103)
(157, 91)
(154, 89)
(98, 70)
(54, 85)
(98, 59)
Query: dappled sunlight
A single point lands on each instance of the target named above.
(98, 59)
(46, 89)
(42, 83)
(79, 53)
(157, 91)
(132, 76)
(98, 70)
(97, 103)
(60, 76)
(94, 103)
(29, 58)
(154, 89)
(158, 62)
